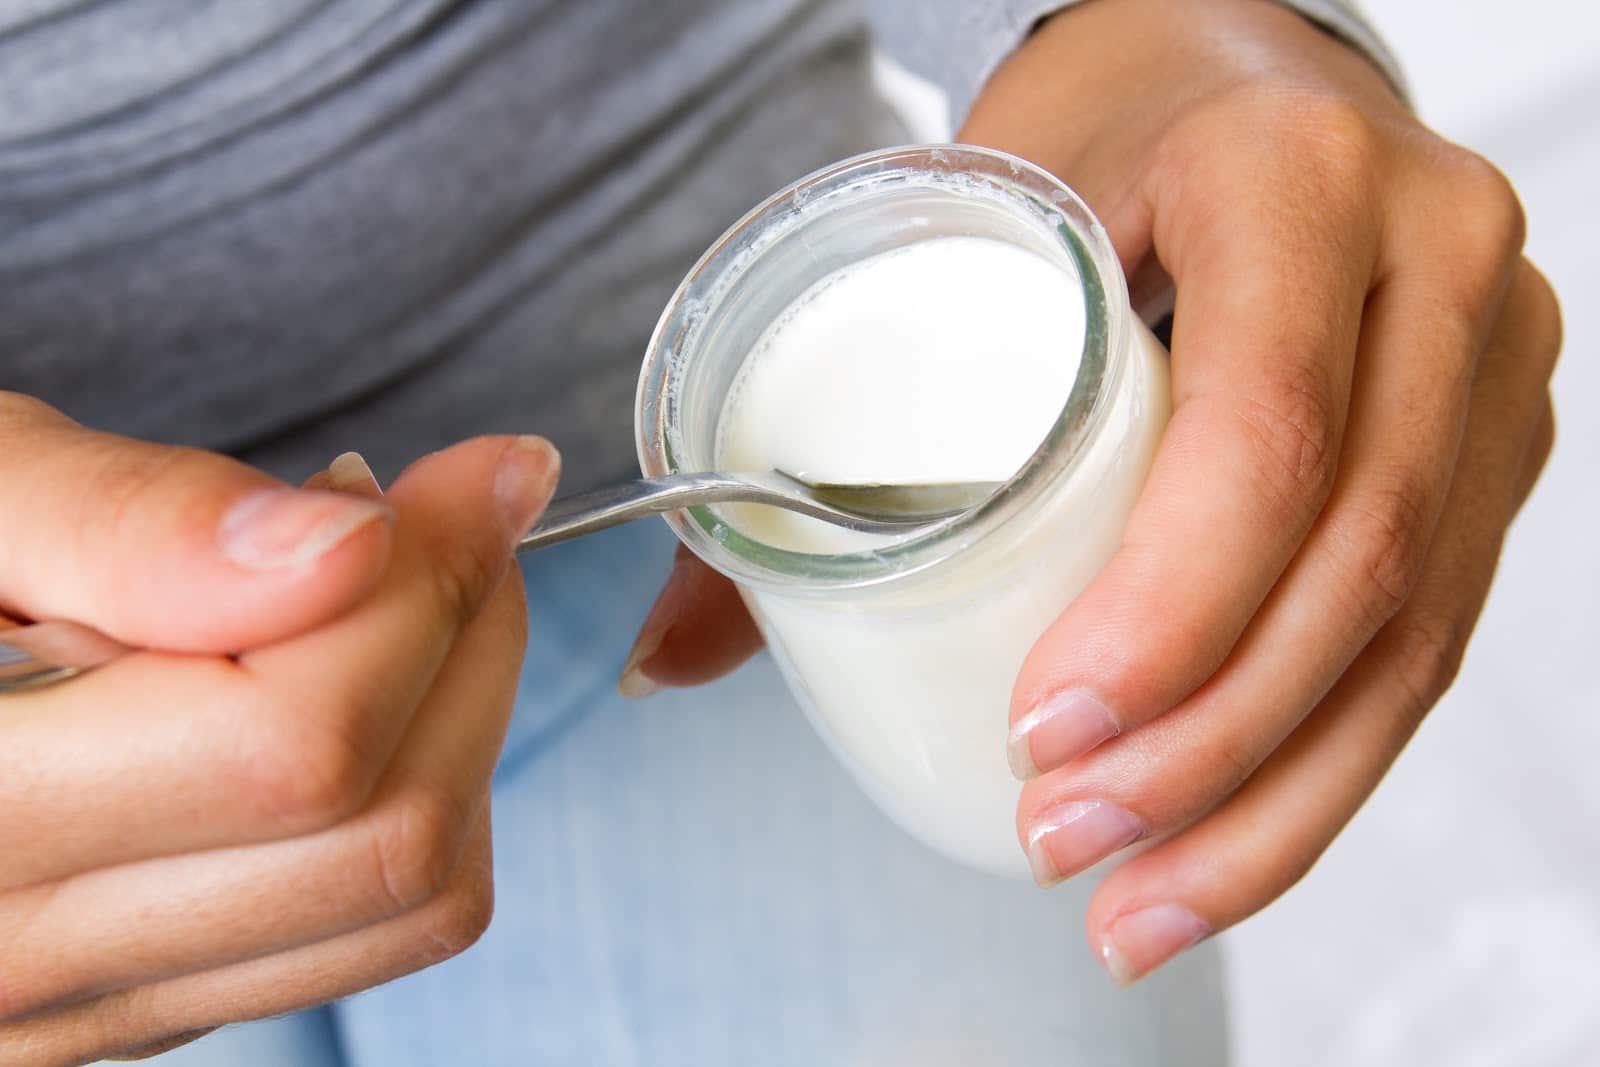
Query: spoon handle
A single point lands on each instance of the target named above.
(42, 653)
(611, 505)
(598, 509)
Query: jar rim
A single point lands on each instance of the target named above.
(998, 175)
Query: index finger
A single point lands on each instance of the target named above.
(1269, 298)
(171, 548)
(173, 754)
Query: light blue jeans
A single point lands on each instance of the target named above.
(693, 880)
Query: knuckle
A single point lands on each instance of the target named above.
(459, 917)
(1313, 144)
(465, 573)
(1490, 205)
(301, 778)
(124, 480)
(121, 1024)
(1544, 440)
(1542, 319)
(1214, 765)
(1284, 860)
(1233, 760)
(1426, 655)
(1385, 538)
(160, 1045)
(1291, 427)
(415, 845)
(514, 617)
(1333, 130)
(1478, 245)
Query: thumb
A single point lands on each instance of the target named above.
(171, 548)
(697, 631)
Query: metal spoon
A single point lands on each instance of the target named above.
(39, 654)
(868, 507)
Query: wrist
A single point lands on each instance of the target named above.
(1137, 63)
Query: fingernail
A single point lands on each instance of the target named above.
(1076, 835)
(281, 529)
(634, 682)
(349, 473)
(524, 481)
(1139, 942)
(1057, 731)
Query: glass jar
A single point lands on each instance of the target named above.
(904, 656)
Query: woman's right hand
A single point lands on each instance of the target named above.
(282, 799)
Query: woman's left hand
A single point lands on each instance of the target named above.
(1361, 360)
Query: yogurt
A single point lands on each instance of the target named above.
(921, 314)
(945, 360)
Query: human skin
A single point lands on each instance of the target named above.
(1361, 360)
(192, 837)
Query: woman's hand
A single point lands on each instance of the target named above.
(1360, 368)
(1360, 363)
(191, 838)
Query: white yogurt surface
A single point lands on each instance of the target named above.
(947, 359)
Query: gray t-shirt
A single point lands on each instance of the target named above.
(285, 228)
